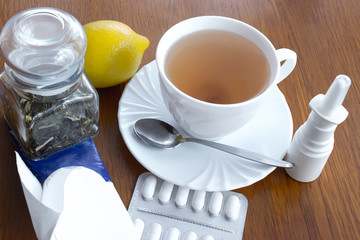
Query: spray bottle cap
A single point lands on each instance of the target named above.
(329, 106)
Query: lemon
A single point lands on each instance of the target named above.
(114, 52)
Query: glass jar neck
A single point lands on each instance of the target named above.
(56, 85)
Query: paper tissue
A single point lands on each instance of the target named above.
(70, 196)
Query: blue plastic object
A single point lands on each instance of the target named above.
(84, 154)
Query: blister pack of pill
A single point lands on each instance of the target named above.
(164, 211)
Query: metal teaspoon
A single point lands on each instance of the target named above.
(160, 134)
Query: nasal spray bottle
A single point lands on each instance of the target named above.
(313, 142)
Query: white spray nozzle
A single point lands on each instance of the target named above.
(335, 95)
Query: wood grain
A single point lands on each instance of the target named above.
(326, 36)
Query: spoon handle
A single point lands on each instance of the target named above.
(256, 157)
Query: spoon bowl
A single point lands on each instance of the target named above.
(157, 133)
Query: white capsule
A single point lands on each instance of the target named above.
(198, 200)
(139, 228)
(155, 232)
(207, 237)
(149, 187)
(215, 203)
(182, 197)
(232, 208)
(190, 236)
(172, 234)
(165, 192)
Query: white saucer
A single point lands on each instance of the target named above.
(192, 165)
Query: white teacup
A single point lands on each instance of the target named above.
(209, 120)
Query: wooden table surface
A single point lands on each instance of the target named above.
(326, 36)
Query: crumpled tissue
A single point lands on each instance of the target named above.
(75, 202)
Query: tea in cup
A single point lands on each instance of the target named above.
(215, 73)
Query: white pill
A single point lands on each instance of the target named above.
(232, 208)
(172, 234)
(165, 192)
(149, 187)
(182, 197)
(215, 203)
(198, 200)
(139, 228)
(207, 237)
(155, 232)
(190, 236)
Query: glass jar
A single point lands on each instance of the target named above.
(48, 101)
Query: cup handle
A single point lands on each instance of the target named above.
(289, 56)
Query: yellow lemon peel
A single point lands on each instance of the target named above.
(114, 52)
